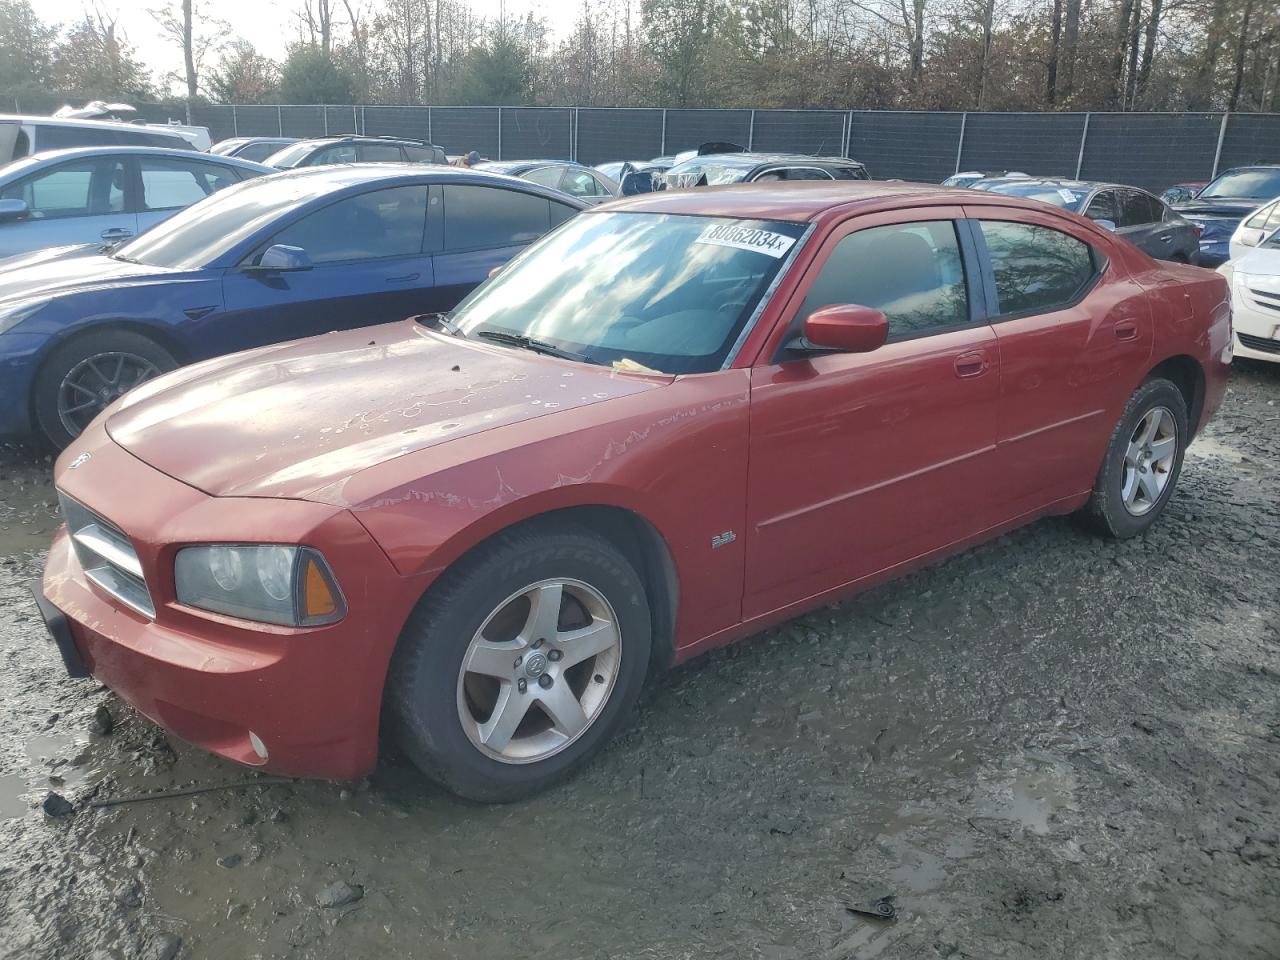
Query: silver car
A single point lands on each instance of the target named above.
(105, 194)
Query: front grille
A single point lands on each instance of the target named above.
(1259, 343)
(1264, 298)
(107, 556)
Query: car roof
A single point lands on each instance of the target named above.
(519, 166)
(25, 164)
(798, 201)
(82, 122)
(361, 138)
(341, 175)
(748, 160)
(1068, 183)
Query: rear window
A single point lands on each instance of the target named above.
(1037, 269)
(478, 218)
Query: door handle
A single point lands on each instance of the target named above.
(971, 365)
(116, 233)
(1126, 330)
(1166, 238)
(406, 278)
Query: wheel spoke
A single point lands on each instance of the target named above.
(1150, 486)
(508, 711)
(78, 388)
(87, 405)
(1130, 488)
(1163, 449)
(115, 379)
(578, 645)
(563, 708)
(493, 659)
(93, 365)
(543, 622)
(1131, 454)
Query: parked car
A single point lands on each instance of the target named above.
(970, 177)
(105, 194)
(257, 149)
(196, 136)
(351, 149)
(1254, 228)
(615, 169)
(272, 259)
(1141, 218)
(588, 185)
(21, 136)
(1228, 199)
(1255, 299)
(1182, 192)
(722, 168)
(672, 422)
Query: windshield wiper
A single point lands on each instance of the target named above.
(528, 343)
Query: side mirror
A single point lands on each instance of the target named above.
(637, 182)
(282, 257)
(1106, 224)
(846, 327)
(1251, 237)
(13, 210)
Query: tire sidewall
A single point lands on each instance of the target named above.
(1153, 393)
(61, 360)
(431, 651)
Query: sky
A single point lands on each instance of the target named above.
(270, 25)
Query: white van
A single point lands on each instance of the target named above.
(21, 136)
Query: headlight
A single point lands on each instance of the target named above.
(11, 316)
(269, 583)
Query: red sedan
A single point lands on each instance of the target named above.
(673, 421)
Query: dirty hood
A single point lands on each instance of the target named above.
(63, 270)
(287, 420)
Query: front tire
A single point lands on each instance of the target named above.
(1142, 463)
(520, 662)
(84, 376)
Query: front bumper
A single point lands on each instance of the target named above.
(1213, 253)
(1257, 329)
(310, 697)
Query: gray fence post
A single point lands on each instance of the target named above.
(235, 127)
(430, 136)
(848, 137)
(1084, 135)
(751, 132)
(574, 120)
(355, 120)
(324, 109)
(1217, 154)
(964, 118)
(362, 123)
(499, 133)
(662, 151)
(279, 121)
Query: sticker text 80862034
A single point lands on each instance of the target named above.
(746, 238)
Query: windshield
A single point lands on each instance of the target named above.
(1249, 184)
(290, 156)
(655, 292)
(1063, 197)
(195, 237)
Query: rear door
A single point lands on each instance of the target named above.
(1142, 224)
(167, 184)
(863, 461)
(79, 201)
(1074, 333)
(369, 266)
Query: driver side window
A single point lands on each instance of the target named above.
(369, 226)
(911, 272)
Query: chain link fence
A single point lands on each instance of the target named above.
(1151, 150)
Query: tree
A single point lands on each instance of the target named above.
(309, 75)
(244, 76)
(26, 47)
(94, 59)
(193, 30)
(496, 73)
(678, 36)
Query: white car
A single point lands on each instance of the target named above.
(1255, 227)
(1255, 299)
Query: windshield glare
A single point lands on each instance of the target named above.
(1249, 184)
(667, 293)
(290, 156)
(195, 237)
(1058, 196)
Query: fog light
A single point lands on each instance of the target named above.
(259, 747)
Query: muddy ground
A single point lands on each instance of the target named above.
(1053, 746)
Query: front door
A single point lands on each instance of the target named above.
(861, 462)
(80, 201)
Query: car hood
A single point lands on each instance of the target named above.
(68, 270)
(1262, 263)
(288, 420)
(1217, 207)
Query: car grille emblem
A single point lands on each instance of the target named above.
(79, 461)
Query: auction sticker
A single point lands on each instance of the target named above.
(746, 238)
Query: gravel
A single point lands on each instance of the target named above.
(1051, 746)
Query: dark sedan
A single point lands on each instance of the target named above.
(272, 259)
(1227, 200)
(722, 168)
(1144, 220)
(586, 183)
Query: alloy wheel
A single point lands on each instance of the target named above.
(95, 383)
(1149, 460)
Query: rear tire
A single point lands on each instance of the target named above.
(1142, 463)
(85, 375)
(520, 663)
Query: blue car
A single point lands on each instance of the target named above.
(105, 194)
(272, 259)
(1219, 208)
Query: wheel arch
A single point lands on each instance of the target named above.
(1186, 373)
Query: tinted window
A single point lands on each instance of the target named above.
(547, 176)
(847, 173)
(145, 138)
(80, 188)
(911, 272)
(167, 184)
(579, 183)
(482, 217)
(381, 152)
(58, 137)
(1104, 207)
(292, 155)
(382, 223)
(424, 154)
(257, 152)
(560, 212)
(1137, 209)
(804, 173)
(338, 153)
(1036, 268)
